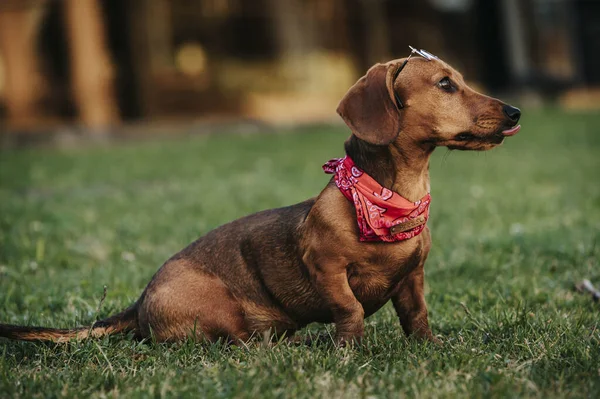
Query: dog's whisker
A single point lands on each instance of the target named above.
(446, 156)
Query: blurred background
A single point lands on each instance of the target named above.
(91, 206)
(100, 64)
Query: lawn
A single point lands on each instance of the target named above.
(513, 230)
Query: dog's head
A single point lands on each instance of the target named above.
(428, 100)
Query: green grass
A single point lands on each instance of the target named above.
(513, 230)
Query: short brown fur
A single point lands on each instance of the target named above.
(280, 269)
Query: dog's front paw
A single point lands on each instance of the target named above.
(428, 336)
(347, 340)
(435, 340)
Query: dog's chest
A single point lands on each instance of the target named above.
(375, 277)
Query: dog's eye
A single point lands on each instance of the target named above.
(447, 85)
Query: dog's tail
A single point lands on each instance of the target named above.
(120, 323)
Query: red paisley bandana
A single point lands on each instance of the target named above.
(382, 214)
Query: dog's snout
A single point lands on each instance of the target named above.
(513, 113)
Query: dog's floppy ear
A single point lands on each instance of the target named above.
(369, 108)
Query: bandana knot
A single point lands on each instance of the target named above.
(382, 214)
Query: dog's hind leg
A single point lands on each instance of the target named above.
(182, 302)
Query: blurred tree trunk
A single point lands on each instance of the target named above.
(377, 30)
(294, 35)
(515, 36)
(292, 30)
(92, 71)
(152, 46)
(19, 25)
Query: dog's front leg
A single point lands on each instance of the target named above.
(348, 313)
(409, 302)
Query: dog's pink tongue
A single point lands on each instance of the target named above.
(512, 131)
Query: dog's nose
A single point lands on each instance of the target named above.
(513, 113)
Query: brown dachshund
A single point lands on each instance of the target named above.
(280, 269)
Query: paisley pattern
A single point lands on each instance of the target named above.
(377, 208)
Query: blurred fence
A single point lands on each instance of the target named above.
(98, 62)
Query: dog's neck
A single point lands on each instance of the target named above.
(402, 166)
